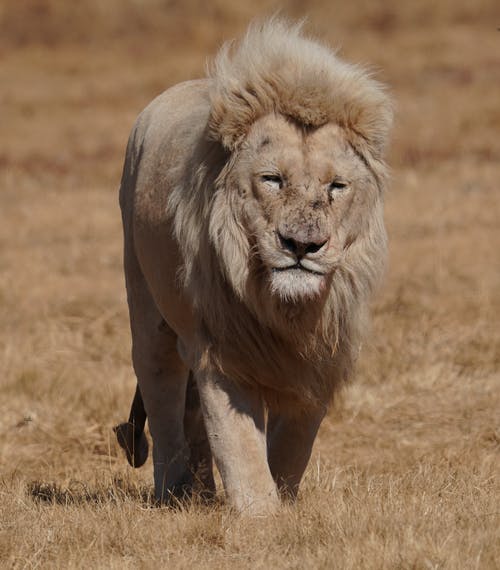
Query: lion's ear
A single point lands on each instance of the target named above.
(370, 123)
(372, 155)
(230, 117)
(378, 139)
(367, 129)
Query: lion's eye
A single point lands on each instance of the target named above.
(338, 184)
(273, 180)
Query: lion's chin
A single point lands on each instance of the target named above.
(297, 285)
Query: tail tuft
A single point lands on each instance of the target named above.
(135, 444)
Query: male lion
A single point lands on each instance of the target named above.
(252, 206)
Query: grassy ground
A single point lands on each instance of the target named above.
(405, 470)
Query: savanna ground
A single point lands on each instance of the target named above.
(405, 470)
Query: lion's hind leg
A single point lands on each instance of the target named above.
(200, 459)
(162, 380)
(133, 440)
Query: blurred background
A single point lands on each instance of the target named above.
(73, 77)
(68, 63)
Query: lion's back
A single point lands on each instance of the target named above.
(162, 141)
(159, 153)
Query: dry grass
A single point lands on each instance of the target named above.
(405, 471)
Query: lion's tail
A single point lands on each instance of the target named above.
(131, 436)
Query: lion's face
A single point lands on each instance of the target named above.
(306, 198)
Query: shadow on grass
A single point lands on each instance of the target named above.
(118, 492)
(79, 493)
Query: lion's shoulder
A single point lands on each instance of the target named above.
(175, 111)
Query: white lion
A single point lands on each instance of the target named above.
(252, 206)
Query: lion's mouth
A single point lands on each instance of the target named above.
(297, 267)
(297, 282)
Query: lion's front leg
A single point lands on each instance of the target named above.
(235, 423)
(289, 441)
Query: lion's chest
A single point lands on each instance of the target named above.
(284, 376)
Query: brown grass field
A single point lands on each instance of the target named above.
(405, 470)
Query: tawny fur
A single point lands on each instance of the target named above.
(226, 178)
(312, 347)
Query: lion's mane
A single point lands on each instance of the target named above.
(297, 353)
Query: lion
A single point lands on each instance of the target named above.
(252, 205)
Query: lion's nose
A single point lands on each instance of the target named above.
(300, 248)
